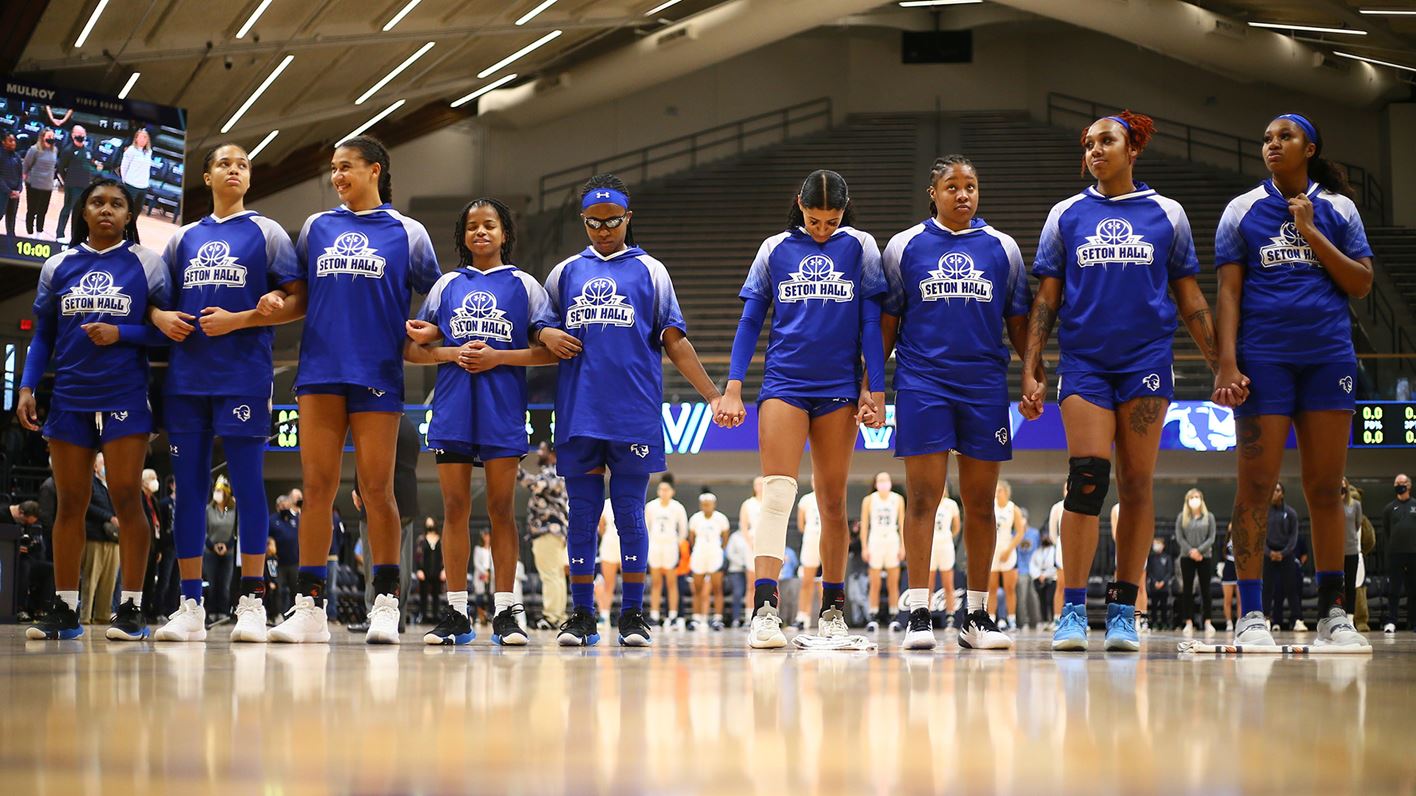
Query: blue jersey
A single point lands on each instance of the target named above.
(1290, 310)
(83, 285)
(816, 291)
(619, 308)
(228, 263)
(1116, 257)
(362, 268)
(500, 307)
(951, 292)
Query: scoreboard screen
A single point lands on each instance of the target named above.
(1385, 424)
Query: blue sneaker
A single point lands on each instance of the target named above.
(453, 630)
(1071, 633)
(60, 623)
(1121, 628)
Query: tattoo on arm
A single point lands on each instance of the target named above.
(1040, 322)
(1201, 326)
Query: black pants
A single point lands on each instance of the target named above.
(429, 589)
(287, 575)
(1349, 593)
(1046, 593)
(1280, 586)
(11, 205)
(161, 590)
(1401, 581)
(1159, 607)
(1189, 570)
(71, 198)
(36, 208)
(219, 571)
(139, 198)
(34, 583)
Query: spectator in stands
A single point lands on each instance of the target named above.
(161, 588)
(39, 165)
(1160, 576)
(1229, 583)
(1054, 532)
(77, 168)
(546, 516)
(429, 572)
(99, 573)
(136, 168)
(1280, 572)
(12, 179)
(218, 560)
(1399, 538)
(480, 600)
(285, 540)
(1195, 533)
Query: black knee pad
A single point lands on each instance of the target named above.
(1088, 480)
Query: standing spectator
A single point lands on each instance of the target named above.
(546, 513)
(1025, 593)
(1160, 574)
(1195, 533)
(76, 170)
(1229, 582)
(1399, 534)
(430, 574)
(34, 578)
(12, 179)
(218, 562)
(136, 168)
(39, 166)
(1280, 574)
(739, 556)
(285, 537)
(1043, 570)
(160, 590)
(480, 600)
(99, 572)
(272, 575)
(1351, 542)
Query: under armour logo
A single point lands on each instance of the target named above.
(242, 413)
(1346, 384)
(172, 449)
(1001, 435)
(639, 450)
(437, 451)
(123, 415)
(602, 194)
(577, 561)
(631, 558)
(1152, 382)
(377, 393)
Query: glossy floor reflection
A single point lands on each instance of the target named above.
(696, 714)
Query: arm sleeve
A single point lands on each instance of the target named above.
(1290, 519)
(872, 344)
(45, 328)
(129, 155)
(667, 314)
(1354, 235)
(282, 266)
(754, 311)
(423, 269)
(554, 313)
(1019, 298)
(538, 304)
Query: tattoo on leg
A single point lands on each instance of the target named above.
(1250, 528)
(1145, 413)
(1250, 438)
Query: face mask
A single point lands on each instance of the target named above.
(1402, 489)
(218, 496)
(882, 487)
(300, 504)
(150, 485)
(1194, 504)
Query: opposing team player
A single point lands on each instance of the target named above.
(609, 561)
(880, 515)
(667, 522)
(708, 532)
(809, 523)
(941, 554)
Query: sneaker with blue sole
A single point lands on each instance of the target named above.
(60, 623)
(1121, 633)
(1071, 632)
(580, 630)
(128, 624)
(506, 627)
(454, 629)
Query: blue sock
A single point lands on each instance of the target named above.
(632, 596)
(1075, 596)
(583, 594)
(245, 458)
(1251, 596)
(586, 499)
(321, 572)
(192, 589)
(191, 471)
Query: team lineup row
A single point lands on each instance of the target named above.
(1114, 266)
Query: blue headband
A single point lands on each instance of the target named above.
(604, 196)
(1119, 121)
(1303, 123)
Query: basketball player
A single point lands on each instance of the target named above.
(809, 522)
(363, 260)
(708, 533)
(485, 311)
(1118, 244)
(609, 561)
(667, 521)
(617, 316)
(941, 552)
(880, 514)
(749, 515)
(822, 279)
(1291, 252)
(88, 310)
(235, 276)
(1008, 534)
(956, 286)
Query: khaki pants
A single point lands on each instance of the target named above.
(551, 561)
(99, 579)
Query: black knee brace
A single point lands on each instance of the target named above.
(1088, 479)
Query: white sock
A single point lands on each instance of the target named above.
(70, 598)
(457, 601)
(654, 616)
(916, 598)
(977, 600)
(135, 596)
(502, 600)
(673, 616)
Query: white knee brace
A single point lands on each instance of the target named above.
(778, 499)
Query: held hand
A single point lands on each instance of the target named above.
(1231, 388)
(478, 357)
(730, 413)
(101, 333)
(563, 345)
(1302, 209)
(422, 332)
(1195, 555)
(870, 410)
(420, 575)
(217, 321)
(270, 302)
(25, 410)
(1034, 389)
(219, 548)
(176, 325)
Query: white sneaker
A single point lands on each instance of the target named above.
(1209, 628)
(383, 621)
(872, 626)
(305, 623)
(1252, 631)
(1389, 629)
(250, 620)
(1300, 627)
(1188, 630)
(188, 623)
(921, 631)
(766, 631)
(1336, 630)
(832, 624)
(981, 633)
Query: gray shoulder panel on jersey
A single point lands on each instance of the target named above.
(46, 271)
(1010, 246)
(897, 244)
(269, 226)
(1063, 206)
(554, 275)
(1344, 205)
(867, 241)
(435, 295)
(411, 225)
(1241, 204)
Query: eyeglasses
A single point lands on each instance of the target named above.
(605, 223)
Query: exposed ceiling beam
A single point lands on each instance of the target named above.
(21, 19)
(1378, 31)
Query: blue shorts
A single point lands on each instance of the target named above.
(1110, 390)
(92, 429)
(453, 452)
(1290, 389)
(927, 423)
(580, 455)
(814, 407)
(226, 416)
(358, 398)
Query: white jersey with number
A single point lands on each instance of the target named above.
(610, 541)
(941, 556)
(1054, 528)
(666, 525)
(707, 555)
(1004, 517)
(884, 531)
(810, 531)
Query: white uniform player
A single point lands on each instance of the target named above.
(1008, 534)
(709, 534)
(941, 556)
(667, 523)
(1005, 518)
(881, 513)
(610, 539)
(810, 520)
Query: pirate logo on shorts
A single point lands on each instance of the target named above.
(479, 317)
(119, 416)
(214, 265)
(1346, 384)
(1287, 248)
(642, 451)
(1152, 382)
(1001, 435)
(376, 393)
(242, 413)
(350, 254)
(96, 292)
(1115, 242)
(600, 303)
(816, 277)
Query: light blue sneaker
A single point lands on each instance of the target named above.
(1121, 628)
(1071, 633)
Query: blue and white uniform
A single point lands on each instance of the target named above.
(822, 296)
(483, 415)
(609, 397)
(223, 384)
(1116, 256)
(1295, 334)
(952, 292)
(362, 268)
(100, 392)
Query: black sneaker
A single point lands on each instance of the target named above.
(716, 625)
(920, 635)
(580, 630)
(633, 630)
(506, 627)
(128, 624)
(980, 632)
(61, 623)
(453, 629)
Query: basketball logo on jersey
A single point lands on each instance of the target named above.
(214, 265)
(1115, 242)
(1288, 247)
(599, 302)
(350, 254)
(816, 277)
(479, 317)
(956, 277)
(96, 292)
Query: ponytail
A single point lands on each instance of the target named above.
(822, 190)
(373, 151)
